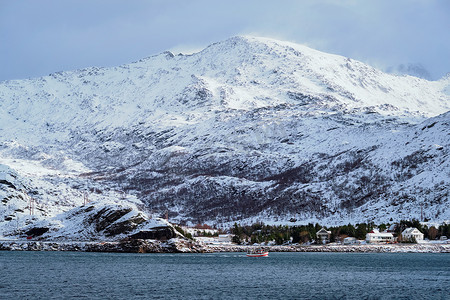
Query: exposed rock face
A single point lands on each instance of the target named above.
(107, 216)
(157, 233)
(126, 225)
(37, 231)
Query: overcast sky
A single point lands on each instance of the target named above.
(41, 37)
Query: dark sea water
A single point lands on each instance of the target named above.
(79, 275)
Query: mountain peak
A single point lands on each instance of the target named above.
(248, 127)
(242, 72)
(248, 44)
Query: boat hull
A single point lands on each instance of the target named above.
(262, 254)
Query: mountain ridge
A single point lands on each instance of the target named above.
(246, 129)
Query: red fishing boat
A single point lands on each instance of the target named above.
(257, 252)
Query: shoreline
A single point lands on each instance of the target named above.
(374, 248)
(185, 246)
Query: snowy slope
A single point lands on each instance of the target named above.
(249, 128)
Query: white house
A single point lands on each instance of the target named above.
(412, 233)
(323, 235)
(376, 236)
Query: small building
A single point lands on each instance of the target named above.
(224, 238)
(376, 236)
(350, 241)
(411, 234)
(323, 235)
(206, 240)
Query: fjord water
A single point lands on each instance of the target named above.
(66, 275)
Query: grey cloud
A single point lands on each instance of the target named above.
(40, 37)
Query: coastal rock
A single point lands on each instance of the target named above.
(37, 231)
(179, 245)
(126, 225)
(157, 233)
(106, 216)
(103, 221)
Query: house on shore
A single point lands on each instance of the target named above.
(411, 234)
(221, 239)
(376, 236)
(323, 235)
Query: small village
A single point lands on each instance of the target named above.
(401, 233)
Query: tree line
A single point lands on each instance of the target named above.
(281, 234)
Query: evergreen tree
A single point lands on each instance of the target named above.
(361, 231)
(444, 230)
(238, 234)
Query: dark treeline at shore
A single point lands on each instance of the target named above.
(260, 233)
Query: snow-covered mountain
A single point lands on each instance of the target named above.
(247, 129)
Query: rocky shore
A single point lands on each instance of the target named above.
(132, 246)
(177, 245)
(399, 248)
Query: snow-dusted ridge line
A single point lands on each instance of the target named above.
(247, 129)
